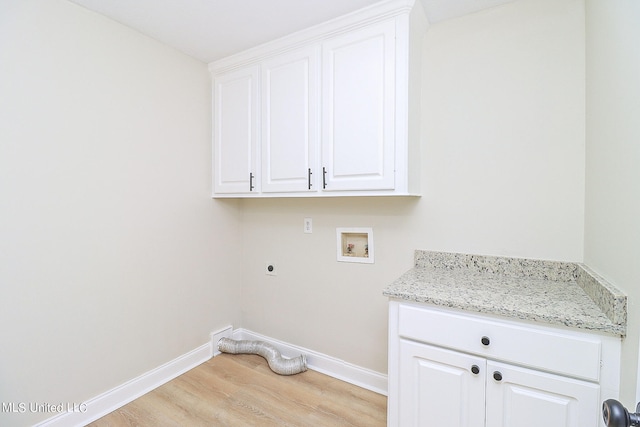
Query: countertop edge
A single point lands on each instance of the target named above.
(611, 328)
(607, 298)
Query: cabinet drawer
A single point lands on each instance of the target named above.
(565, 352)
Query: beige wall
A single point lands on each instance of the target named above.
(113, 258)
(612, 236)
(502, 174)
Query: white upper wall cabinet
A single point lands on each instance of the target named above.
(323, 112)
(289, 121)
(358, 109)
(235, 121)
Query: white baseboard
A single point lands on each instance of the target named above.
(323, 363)
(82, 414)
(101, 405)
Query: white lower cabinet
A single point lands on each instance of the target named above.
(450, 368)
(520, 397)
(438, 387)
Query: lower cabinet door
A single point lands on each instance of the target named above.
(440, 387)
(519, 397)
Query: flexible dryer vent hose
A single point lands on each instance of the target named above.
(277, 363)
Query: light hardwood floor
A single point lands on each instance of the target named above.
(241, 390)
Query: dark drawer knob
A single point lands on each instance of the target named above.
(475, 369)
(485, 341)
(497, 376)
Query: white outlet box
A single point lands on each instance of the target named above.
(218, 335)
(308, 225)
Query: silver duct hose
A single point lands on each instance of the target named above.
(277, 363)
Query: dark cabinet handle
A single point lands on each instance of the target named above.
(324, 177)
(309, 179)
(497, 376)
(251, 186)
(485, 341)
(475, 369)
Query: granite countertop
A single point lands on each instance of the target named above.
(550, 292)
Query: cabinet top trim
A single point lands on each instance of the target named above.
(381, 11)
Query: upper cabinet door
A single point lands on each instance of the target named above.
(235, 131)
(290, 121)
(358, 109)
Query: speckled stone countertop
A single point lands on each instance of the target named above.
(551, 292)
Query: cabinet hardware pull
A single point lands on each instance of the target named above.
(324, 178)
(497, 376)
(475, 369)
(485, 341)
(309, 179)
(251, 186)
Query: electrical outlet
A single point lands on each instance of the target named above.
(218, 335)
(271, 269)
(308, 225)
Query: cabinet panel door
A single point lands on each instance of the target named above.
(438, 388)
(528, 398)
(290, 121)
(358, 109)
(234, 131)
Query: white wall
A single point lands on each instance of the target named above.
(503, 174)
(113, 257)
(612, 236)
(504, 132)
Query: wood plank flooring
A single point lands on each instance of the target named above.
(241, 390)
